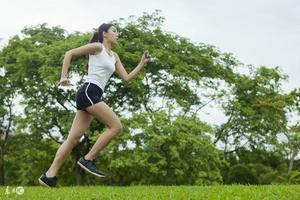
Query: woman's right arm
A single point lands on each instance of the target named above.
(87, 49)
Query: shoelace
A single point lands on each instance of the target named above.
(94, 162)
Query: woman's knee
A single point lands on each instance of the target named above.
(117, 128)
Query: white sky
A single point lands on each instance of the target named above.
(259, 32)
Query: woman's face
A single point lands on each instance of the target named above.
(111, 35)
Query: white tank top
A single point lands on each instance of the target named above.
(101, 67)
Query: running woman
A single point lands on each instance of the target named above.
(101, 65)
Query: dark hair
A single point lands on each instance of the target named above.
(101, 29)
(97, 37)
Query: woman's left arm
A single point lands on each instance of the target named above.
(121, 71)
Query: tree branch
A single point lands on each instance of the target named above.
(234, 150)
(53, 138)
(9, 122)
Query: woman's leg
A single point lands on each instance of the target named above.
(102, 112)
(80, 123)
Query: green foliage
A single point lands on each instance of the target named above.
(242, 174)
(164, 151)
(256, 109)
(27, 156)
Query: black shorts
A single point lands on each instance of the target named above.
(87, 95)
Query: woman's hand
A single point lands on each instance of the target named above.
(146, 57)
(65, 82)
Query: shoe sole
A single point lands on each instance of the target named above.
(86, 169)
(43, 183)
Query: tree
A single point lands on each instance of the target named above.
(256, 110)
(291, 143)
(8, 118)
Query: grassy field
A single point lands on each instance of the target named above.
(233, 192)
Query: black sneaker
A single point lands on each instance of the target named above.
(90, 166)
(48, 181)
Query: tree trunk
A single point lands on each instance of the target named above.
(2, 180)
(291, 162)
(81, 149)
(79, 175)
(78, 170)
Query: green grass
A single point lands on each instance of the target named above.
(230, 192)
